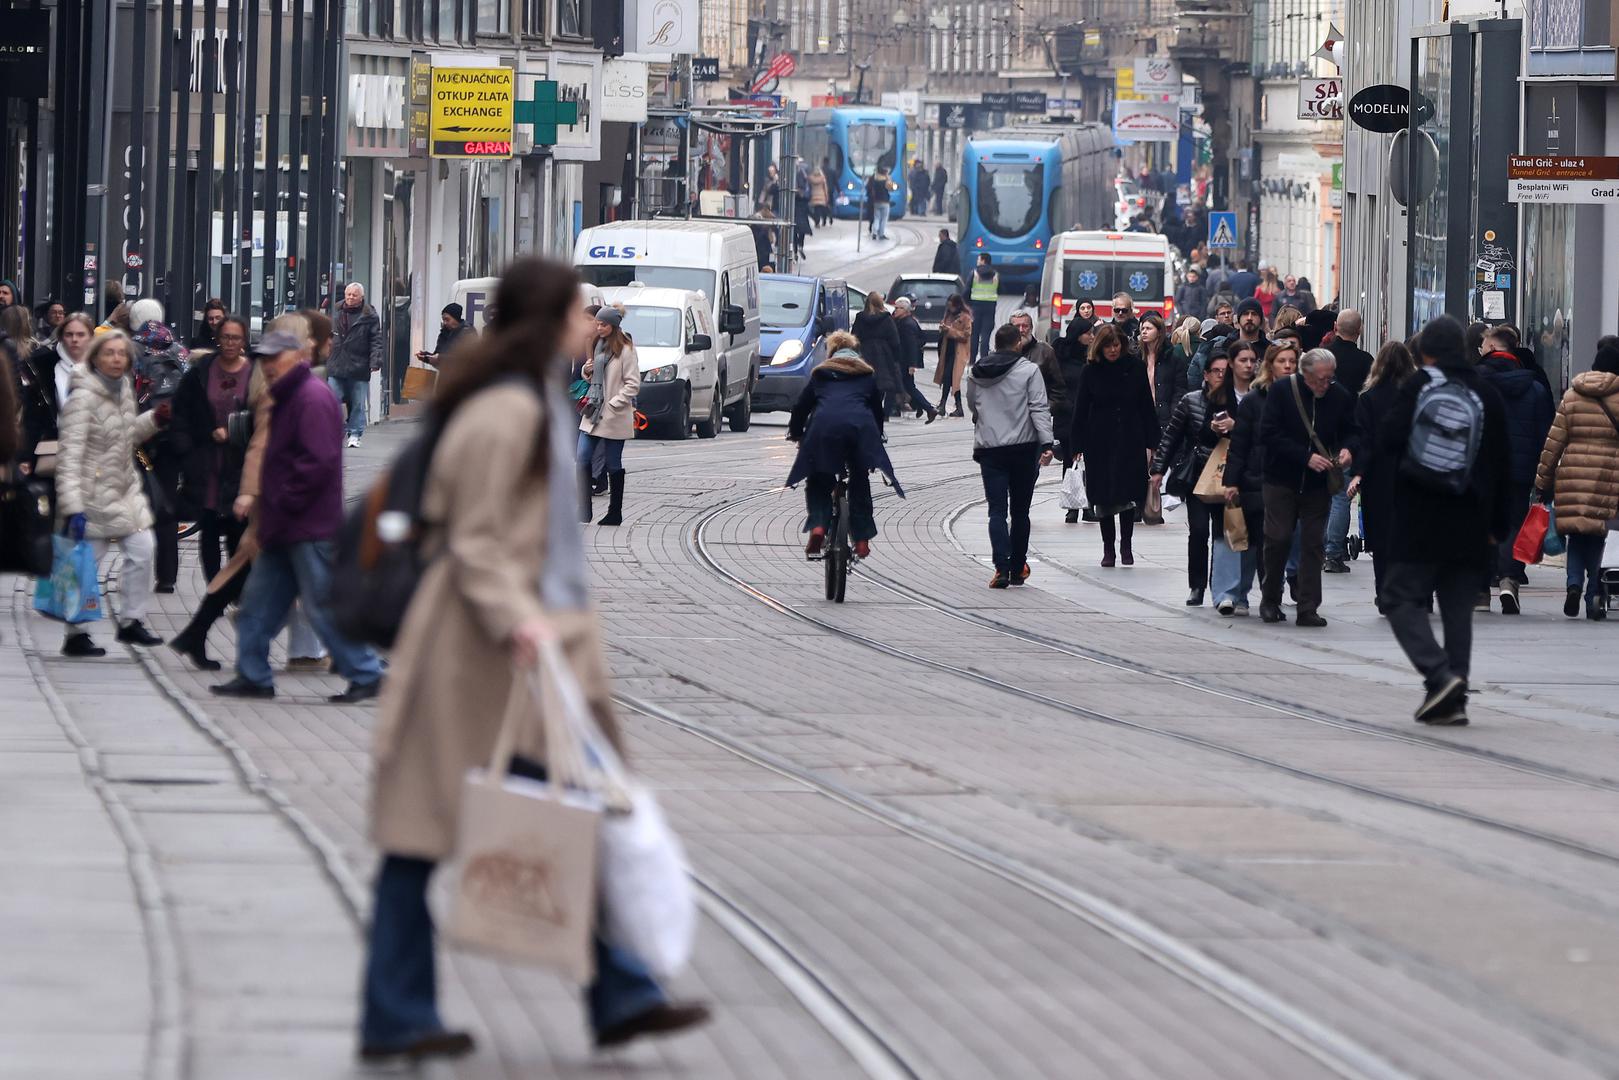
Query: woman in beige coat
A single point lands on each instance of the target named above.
(955, 341)
(1580, 469)
(507, 572)
(609, 413)
(100, 494)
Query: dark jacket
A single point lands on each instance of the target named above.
(919, 183)
(1114, 425)
(11, 430)
(36, 389)
(1187, 442)
(192, 431)
(1287, 443)
(1374, 466)
(1354, 364)
(911, 342)
(449, 338)
(1245, 460)
(1431, 526)
(1219, 294)
(1300, 298)
(1169, 383)
(356, 343)
(880, 347)
(877, 190)
(301, 484)
(1529, 411)
(1044, 357)
(1244, 283)
(1191, 298)
(940, 179)
(947, 258)
(764, 242)
(838, 421)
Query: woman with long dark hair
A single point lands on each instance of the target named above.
(879, 347)
(1114, 433)
(213, 387)
(509, 576)
(1200, 420)
(1245, 461)
(955, 352)
(609, 414)
(1374, 474)
(1166, 377)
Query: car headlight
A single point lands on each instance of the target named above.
(787, 352)
(666, 373)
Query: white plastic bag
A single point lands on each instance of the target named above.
(648, 907)
(1073, 489)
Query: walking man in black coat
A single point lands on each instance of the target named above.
(940, 179)
(1446, 524)
(946, 257)
(1354, 364)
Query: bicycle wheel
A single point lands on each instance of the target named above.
(839, 554)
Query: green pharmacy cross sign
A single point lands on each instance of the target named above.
(545, 112)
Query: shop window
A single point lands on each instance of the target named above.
(1431, 214)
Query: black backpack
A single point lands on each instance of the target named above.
(1446, 430)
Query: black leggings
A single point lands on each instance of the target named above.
(1126, 528)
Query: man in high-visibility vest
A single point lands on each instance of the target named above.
(983, 293)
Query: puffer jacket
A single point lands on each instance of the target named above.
(1529, 413)
(1580, 462)
(1187, 442)
(96, 474)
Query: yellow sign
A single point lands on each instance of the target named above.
(1124, 84)
(470, 113)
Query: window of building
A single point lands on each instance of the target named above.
(1431, 215)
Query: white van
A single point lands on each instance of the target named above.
(711, 257)
(673, 332)
(1097, 266)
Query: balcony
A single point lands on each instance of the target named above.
(1571, 38)
(1212, 30)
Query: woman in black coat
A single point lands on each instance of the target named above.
(1114, 432)
(210, 391)
(1183, 452)
(880, 347)
(1167, 378)
(1245, 461)
(1374, 472)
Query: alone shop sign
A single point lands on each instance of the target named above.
(470, 113)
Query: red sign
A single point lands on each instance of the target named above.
(782, 65)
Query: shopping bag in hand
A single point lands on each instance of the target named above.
(1529, 547)
(648, 908)
(1236, 529)
(1554, 544)
(72, 592)
(1073, 489)
(1153, 514)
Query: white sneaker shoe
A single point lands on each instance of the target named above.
(354, 442)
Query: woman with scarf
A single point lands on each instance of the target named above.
(609, 414)
(44, 380)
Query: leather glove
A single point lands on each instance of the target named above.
(164, 411)
(75, 526)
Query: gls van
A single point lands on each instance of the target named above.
(710, 257)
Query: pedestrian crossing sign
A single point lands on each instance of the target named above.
(1223, 229)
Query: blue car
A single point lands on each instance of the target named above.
(796, 313)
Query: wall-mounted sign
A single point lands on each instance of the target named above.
(1321, 99)
(1147, 121)
(1157, 75)
(662, 28)
(25, 55)
(1553, 178)
(1385, 108)
(705, 68)
(470, 113)
(376, 101)
(624, 91)
(578, 78)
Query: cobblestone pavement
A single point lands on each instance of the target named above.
(1075, 831)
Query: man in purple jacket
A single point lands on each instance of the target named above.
(300, 510)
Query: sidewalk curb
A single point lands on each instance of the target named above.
(166, 1041)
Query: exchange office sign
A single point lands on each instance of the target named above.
(1552, 178)
(470, 112)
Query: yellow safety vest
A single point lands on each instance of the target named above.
(985, 289)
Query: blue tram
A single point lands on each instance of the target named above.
(856, 140)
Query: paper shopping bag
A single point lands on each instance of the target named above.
(1528, 548)
(1236, 529)
(1211, 481)
(420, 383)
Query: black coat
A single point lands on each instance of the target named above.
(1168, 383)
(356, 343)
(911, 342)
(1530, 411)
(449, 338)
(1044, 357)
(36, 390)
(880, 346)
(1287, 443)
(1354, 364)
(1245, 460)
(1114, 425)
(940, 179)
(838, 422)
(763, 243)
(1430, 526)
(191, 430)
(1375, 467)
(1187, 442)
(947, 258)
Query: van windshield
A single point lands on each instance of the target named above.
(667, 277)
(654, 327)
(785, 303)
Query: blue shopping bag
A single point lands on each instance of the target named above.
(1554, 544)
(72, 593)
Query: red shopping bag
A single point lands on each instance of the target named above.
(1529, 547)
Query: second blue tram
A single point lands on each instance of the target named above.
(856, 140)
(1022, 186)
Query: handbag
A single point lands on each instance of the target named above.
(71, 592)
(1335, 472)
(156, 497)
(525, 882)
(1153, 514)
(420, 382)
(1236, 528)
(26, 518)
(1529, 546)
(45, 452)
(1073, 490)
(1210, 485)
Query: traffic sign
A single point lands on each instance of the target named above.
(1222, 229)
(470, 113)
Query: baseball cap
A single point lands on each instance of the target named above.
(275, 343)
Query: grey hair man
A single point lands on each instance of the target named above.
(1354, 365)
(356, 353)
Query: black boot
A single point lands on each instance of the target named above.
(586, 510)
(615, 499)
(194, 647)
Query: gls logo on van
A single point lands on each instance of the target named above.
(608, 251)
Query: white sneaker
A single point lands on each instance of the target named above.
(354, 442)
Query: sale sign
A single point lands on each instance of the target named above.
(1321, 99)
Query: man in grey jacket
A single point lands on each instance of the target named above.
(1006, 398)
(356, 353)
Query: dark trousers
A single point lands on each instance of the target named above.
(983, 328)
(1285, 510)
(1204, 522)
(1009, 479)
(217, 529)
(1408, 588)
(818, 503)
(918, 402)
(1506, 567)
(166, 566)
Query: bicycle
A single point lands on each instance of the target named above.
(838, 554)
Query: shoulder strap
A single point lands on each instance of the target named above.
(1603, 403)
(1298, 399)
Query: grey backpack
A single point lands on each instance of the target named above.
(1445, 434)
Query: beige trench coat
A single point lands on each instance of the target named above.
(955, 343)
(619, 387)
(1580, 463)
(451, 674)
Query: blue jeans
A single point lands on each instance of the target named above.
(1009, 480)
(355, 394)
(1585, 562)
(983, 328)
(1234, 571)
(1338, 527)
(401, 983)
(594, 448)
(279, 576)
(879, 219)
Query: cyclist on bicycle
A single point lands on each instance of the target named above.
(838, 425)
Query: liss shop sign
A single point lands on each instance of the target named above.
(470, 113)
(1553, 178)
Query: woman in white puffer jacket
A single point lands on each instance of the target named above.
(100, 494)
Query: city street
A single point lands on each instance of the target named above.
(1078, 830)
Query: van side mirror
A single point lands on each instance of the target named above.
(826, 324)
(699, 343)
(732, 321)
